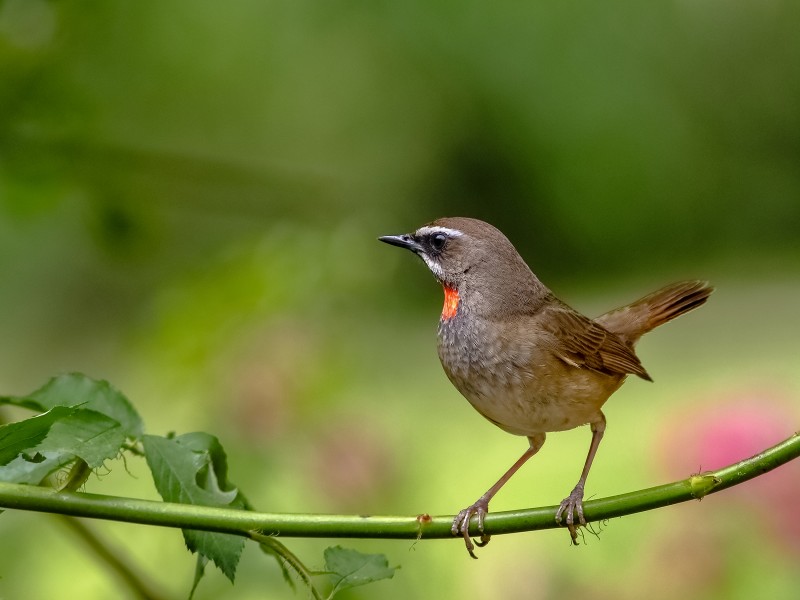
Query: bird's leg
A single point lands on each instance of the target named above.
(481, 507)
(574, 502)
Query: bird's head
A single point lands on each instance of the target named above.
(467, 256)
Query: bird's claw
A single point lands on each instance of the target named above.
(569, 506)
(461, 525)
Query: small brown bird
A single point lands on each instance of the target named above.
(525, 360)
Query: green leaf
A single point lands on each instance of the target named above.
(87, 434)
(82, 418)
(43, 444)
(24, 469)
(192, 469)
(75, 389)
(213, 474)
(16, 438)
(350, 568)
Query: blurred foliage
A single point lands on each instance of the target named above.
(583, 131)
(189, 196)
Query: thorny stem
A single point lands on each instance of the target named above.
(272, 545)
(241, 522)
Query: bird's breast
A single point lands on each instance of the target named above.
(515, 381)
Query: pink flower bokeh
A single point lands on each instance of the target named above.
(730, 428)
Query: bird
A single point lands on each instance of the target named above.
(525, 360)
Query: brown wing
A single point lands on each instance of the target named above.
(581, 342)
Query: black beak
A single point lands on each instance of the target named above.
(403, 241)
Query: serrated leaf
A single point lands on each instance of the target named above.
(350, 568)
(57, 438)
(213, 474)
(16, 438)
(180, 466)
(192, 469)
(224, 549)
(75, 389)
(88, 434)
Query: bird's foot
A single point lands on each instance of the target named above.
(461, 525)
(570, 506)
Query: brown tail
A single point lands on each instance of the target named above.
(633, 321)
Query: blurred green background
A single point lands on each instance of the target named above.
(190, 194)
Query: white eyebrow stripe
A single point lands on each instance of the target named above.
(429, 229)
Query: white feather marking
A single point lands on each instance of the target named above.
(434, 266)
(429, 229)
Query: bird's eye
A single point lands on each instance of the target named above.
(438, 240)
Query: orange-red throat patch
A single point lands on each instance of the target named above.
(450, 303)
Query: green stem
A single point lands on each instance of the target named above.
(112, 559)
(274, 546)
(242, 522)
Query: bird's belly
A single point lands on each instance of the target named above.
(535, 408)
(525, 389)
